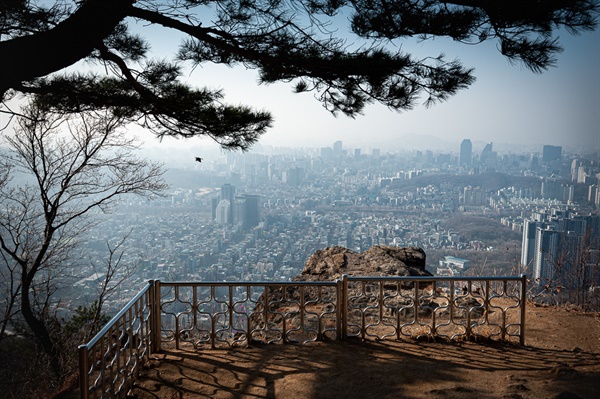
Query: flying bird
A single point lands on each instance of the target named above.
(198, 159)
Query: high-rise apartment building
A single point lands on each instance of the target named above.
(546, 254)
(337, 147)
(466, 153)
(488, 155)
(473, 196)
(528, 243)
(223, 211)
(556, 243)
(227, 194)
(551, 153)
(250, 211)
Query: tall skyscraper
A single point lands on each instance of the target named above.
(222, 212)
(250, 211)
(546, 254)
(488, 155)
(337, 147)
(528, 243)
(466, 153)
(551, 153)
(227, 194)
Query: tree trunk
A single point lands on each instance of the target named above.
(38, 327)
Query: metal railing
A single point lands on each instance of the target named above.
(216, 314)
(110, 362)
(238, 313)
(452, 308)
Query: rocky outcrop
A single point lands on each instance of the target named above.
(331, 263)
(381, 306)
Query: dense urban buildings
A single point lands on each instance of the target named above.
(258, 216)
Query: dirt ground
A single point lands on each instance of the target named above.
(560, 359)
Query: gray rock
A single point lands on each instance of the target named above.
(331, 263)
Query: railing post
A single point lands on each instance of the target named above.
(84, 378)
(523, 302)
(344, 306)
(156, 318)
(338, 309)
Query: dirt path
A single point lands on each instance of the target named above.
(561, 359)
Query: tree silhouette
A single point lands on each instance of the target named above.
(79, 166)
(293, 42)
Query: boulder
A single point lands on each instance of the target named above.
(331, 263)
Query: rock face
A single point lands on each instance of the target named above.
(331, 263)
(376, 307)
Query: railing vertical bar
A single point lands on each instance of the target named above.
(345, 304)
(433, 313)
(84, 377)
(363, 326)
(283, 320)
(248, 299)
(266, 312)
(302, 308)
(487, 302)
(381, 301)
(152, 304)
(157, 309)
(523, 305)
(451, 302)
(177, 316)
(416, 302)
(105, 343)
(320, 316)
(230, 309)
(144, 322)
(213, 327)
(468, 326)
(194, 309)
(138, 339)
(338, 308)
(504, 291)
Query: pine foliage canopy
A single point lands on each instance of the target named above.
(295, 41)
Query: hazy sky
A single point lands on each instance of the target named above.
(507, 104)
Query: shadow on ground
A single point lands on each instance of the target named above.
(371, 369)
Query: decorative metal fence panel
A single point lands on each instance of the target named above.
(111, 362)
(217, 314)
(452, 308)
(232, 314)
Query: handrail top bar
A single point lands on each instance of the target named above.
(112, 321)
(332, 283)
(245, 283)
(434, 278)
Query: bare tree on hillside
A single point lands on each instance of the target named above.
(572, 272)
(582, 276)
(80, 165)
